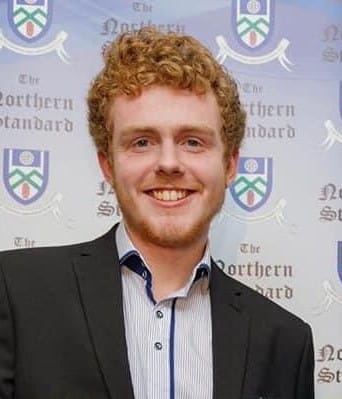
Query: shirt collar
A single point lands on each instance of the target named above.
(129, 256)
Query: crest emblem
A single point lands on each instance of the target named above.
(30, 19)
(253, 184)
(253, 22)
(339, 259)
(25, 174)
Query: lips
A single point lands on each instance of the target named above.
(169, 195)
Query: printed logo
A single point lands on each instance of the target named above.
(253, 21)
(253, 25)
(333, 135)
(251, 189)
(331, 294)
(339, 259)
(30, 19)
(25, 174)
(253, 184)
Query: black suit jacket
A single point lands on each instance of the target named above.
(62, 332)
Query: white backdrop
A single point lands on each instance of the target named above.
(280, 230)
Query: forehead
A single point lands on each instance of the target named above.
(165, 107)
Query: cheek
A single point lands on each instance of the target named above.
(139, 159)
(212, 171)
(128, 171)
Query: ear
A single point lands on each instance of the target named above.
(232, 166)
(106, 166)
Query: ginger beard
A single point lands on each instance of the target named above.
(168, 230)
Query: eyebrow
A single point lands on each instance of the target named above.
(199, 128)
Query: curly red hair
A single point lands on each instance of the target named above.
(149, 57)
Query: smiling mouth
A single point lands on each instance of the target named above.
(169, 195)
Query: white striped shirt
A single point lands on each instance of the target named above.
(169, 343)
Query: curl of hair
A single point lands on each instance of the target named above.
(137, 60)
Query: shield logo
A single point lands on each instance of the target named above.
(253, 22)
(339, 259)
(253, 184)
(30, 19)
(25, 174)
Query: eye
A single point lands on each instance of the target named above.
(193, 144)
(141, 143)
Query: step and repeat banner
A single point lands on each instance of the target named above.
(280, 229)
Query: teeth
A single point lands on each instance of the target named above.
(173, 195)
(169, 195)
(181, 194)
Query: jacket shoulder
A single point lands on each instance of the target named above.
(261, 309)
(49, 256)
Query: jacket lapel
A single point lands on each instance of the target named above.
(98, 274)
(230, 325)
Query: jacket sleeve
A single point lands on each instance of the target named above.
(305, 378)
(6, 343)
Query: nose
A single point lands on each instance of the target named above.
(168, 162)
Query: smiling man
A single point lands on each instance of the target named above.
(143, 312)
(168, 169)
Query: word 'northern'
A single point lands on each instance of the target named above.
(112, 26)
(262, 110)
(330, 192)
(256, 269)
(104, 188)
(332, 33)
(36, 102)
(328, 353)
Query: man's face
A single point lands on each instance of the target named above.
(167, 165)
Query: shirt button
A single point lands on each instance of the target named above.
(144, 274)
(158, 346)
(159, 314)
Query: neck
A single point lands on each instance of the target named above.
(171, 268)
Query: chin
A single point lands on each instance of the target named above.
(171, 235)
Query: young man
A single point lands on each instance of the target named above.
(143, 311)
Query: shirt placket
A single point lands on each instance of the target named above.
(158, 367)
